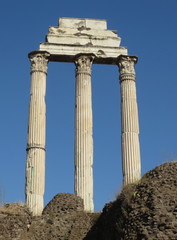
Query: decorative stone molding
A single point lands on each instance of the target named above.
(83, 63)
(126, 67)
(74, 36)
(39, 60)
(39, 146)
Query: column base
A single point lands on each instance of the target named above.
(35, 203)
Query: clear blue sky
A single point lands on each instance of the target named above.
(149, 30)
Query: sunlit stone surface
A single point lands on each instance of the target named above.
(83, 42)
(35, 165)
(74, 36)
(131, 164)
(83, 132)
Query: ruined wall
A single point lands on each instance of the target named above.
(146, 210)
(15, 220)
(63, 218)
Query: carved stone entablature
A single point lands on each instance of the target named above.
(83, 63)
(75, 35)
(126, 67)
(39, 60)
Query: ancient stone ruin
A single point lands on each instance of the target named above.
(145, 210)
(83, 42)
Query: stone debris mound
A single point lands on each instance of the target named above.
(63, 203)
(15, 219)
(146, 210)
(63, 218)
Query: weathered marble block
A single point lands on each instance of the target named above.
(74, 36)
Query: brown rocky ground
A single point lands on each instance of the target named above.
(146, 210)
(62, 219)
(14, 221)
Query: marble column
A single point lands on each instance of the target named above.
(83, 132)
(131, 164)
(35, 164)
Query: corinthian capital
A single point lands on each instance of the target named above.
(39, 60)
(83, 63)
(126, 67)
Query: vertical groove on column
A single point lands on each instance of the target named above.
(83, 132)
(35, 165)
(130, 126)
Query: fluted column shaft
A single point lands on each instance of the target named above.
(35, 165)
(131, 164)
(83, 132)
